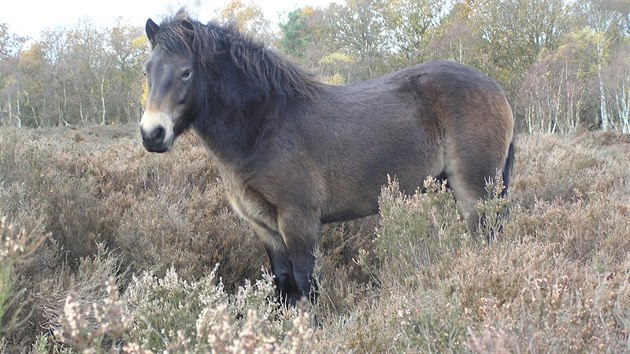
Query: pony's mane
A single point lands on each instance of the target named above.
(269, 70)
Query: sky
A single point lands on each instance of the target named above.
(28, 18)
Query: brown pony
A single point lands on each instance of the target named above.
(295, 153)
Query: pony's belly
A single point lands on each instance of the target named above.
(349, 214)
(359, 198)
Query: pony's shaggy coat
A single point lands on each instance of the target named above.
(295, 153)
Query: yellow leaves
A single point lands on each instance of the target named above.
(140, 42)
(307, 11)
(145, 93)
(336, 58)
(32, 58)
(242, 12)
(335, 63)
(336, 79)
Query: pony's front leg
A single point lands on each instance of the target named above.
(281, 267)
(301, 232)
(288, 291)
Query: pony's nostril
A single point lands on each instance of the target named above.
(143, 134)
(158, 134)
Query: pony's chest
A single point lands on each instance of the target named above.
(247, 202)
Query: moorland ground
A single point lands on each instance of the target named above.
(112, 247)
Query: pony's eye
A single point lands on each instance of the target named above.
(186, 74)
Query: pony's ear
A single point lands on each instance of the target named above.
(190, 29)
(152, 29)
(181, 13)
(188, 25)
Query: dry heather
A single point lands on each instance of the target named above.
(115, 249)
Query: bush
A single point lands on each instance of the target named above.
(17, 247)
(171, 314)
(133, 240)
(417, 231)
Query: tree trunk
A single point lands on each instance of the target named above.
(19, 118)
(602, 100)
(626, 114)
(603, 112)
(103, 99)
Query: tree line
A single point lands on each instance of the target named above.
(565, 65)
(71, 76)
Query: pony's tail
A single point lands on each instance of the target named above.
(507, 169)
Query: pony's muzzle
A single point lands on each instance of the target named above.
(156, 130)
(154, 139)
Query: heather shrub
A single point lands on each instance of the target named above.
(494, 211)
(91, 327)
(130, 263)
(566, 167)
(64, 294)
(167, 308)
(533, 298)
(417, 231)
(346, 251)
(37, 291)
(42, 186)
(171, 314)
(17, 247)
(154, 210)
(174, 211)
(418, 239)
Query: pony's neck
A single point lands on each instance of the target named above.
(233, 133)
(250, 99)
(265, 73)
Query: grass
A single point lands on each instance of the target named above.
(108, 248)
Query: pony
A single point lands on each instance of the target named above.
(295, 153)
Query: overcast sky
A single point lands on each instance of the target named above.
(30, 17)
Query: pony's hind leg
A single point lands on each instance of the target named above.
(467, 196)
(468, 180)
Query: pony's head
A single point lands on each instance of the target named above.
(212, 71)
(172, 77)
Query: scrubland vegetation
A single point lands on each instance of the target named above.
(106, 247)
(563, 64)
